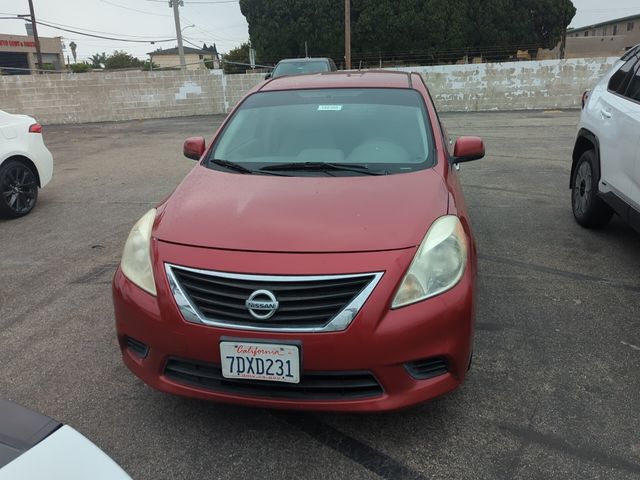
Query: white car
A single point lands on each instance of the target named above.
(25, 164)
(34, 446)
(605, 174)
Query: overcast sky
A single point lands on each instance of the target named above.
(218, 21)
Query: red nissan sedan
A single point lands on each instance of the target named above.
(318, 256)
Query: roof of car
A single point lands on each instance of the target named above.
(341, 79)
(631, 52)
(304, 59)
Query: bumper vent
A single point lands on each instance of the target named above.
(137, 347)
(312, 386)
(303, 302)
(427, 368)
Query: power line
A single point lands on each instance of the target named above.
(191, 43)
(208, 2)
(96, 31)
(76, 30)
(134, 9)
(104, 37)
(605, 9)
(212, 35)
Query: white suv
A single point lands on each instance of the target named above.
(605, 173)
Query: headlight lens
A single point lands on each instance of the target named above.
(438, 264)
(136, 257)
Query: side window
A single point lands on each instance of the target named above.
(620, 80)
(634, 87)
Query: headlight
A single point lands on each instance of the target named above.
(136, 257)
(438, 265)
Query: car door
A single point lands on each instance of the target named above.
(631, 128)
(618, 141)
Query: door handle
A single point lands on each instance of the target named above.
(605, 113)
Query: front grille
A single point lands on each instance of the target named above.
(136, 346)
(304, 302)
(427, 368)
(312, 386)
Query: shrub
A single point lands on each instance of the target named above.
(80, 67)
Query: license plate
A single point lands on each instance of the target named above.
(260, 361)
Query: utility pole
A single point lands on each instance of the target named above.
(563, 42)
(347, 34)
(35, 35)
(176, 17)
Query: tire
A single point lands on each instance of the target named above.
(589, 209)
(18, 189)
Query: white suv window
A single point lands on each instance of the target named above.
(633, 92)
(620, 80)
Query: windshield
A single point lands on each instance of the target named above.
(385, 130)
(296, 68)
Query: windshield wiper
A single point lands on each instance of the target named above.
(322, 166)
(231, 165)
(240, 168)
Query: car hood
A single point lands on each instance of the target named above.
(301, 214)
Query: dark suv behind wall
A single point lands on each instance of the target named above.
(299, 66)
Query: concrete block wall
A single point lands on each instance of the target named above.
(513, 86)
(115, 96)
(238, 85)
(103, 96)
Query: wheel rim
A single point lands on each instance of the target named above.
(582, 189)
(19, 189)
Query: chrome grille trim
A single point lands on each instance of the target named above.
(339, 322)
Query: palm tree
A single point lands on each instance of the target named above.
(98, 59)
(73, 47)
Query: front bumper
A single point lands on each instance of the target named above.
(379, 340)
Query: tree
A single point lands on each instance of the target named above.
(121, 59)
(280, 28)
(98, 59)
(549, 18)
(147, 65)
(73, 47)
(240, 55)
(415, 30)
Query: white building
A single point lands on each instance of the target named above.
(194, 58)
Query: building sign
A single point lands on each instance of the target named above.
(17, 43)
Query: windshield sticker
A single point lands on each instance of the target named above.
(329, 108)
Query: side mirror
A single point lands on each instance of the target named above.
(467, 149)
(267, 76)
(194, 147)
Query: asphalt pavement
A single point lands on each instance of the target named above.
(554, 390)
